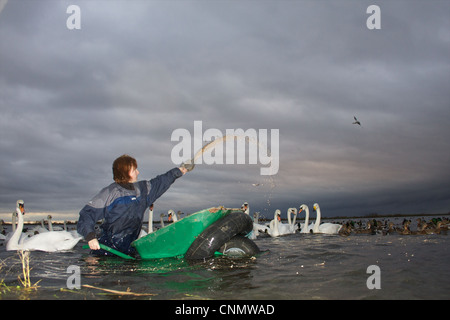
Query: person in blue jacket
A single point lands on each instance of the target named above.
(122, 204)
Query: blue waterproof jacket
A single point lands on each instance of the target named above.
(122, 207)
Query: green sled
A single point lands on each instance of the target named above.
(175, 239)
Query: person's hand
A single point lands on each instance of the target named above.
(183, 170)
(94, 245)
(187, 166)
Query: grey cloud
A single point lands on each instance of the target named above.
(72, 101)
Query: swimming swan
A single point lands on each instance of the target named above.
(273, 225)
(23, 235)
(258, 227)
(150, 220)
(276, 228)
(50, 225)
(172, 216)
(328, 228)
(290, 226)
(149, 230)
(48, 241)
(161, 217)
(304, 227)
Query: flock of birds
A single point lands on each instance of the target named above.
(54, 239)
(433, 226)
(276, 228)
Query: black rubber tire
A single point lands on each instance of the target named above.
(217, 234)
(239, 246)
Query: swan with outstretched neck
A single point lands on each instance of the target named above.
(276, 228)
(305, 228)
(292, 211)
(50, 225)
(150, 219)
(328, 228)
(49, 241)
(273, 225)
(143, 233)
(258, 227)
(161, 219)
(290, 226)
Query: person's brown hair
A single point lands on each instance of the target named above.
(121, 168)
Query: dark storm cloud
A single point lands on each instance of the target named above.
(72, 101)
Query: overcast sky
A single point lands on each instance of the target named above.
(71, 101)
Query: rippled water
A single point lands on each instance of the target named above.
(298, 266)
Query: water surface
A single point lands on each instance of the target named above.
(297, 266)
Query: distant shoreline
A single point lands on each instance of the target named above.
(398, 215)
(368, 216)
(374, 216)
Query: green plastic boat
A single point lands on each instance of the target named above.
(175, 239)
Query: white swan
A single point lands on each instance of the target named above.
(290, 221)
(150, 220)
(290, 226)
(245, 207)
(329, 228)
(255, 231)
(143, 232)
(48, 241)
(276, 228)
(259, 227)
(162, 219)
(50, 225)
(172, 216)
(273, 230)
(304, 227)
(23, 235)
